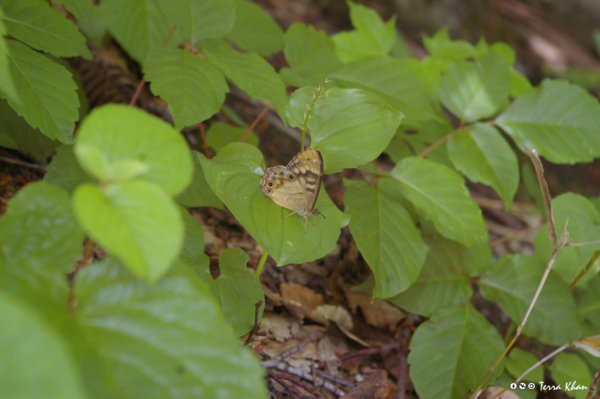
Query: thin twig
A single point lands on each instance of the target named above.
(594, 384)
(257, 306)
(301, 345)
(138, 90)
(371, 351)
(298, 372)
(203, 136)
(291, 390)
(299, 383)
(35, 167)
(255, 122)
(435, 145)
(337, 380)
(513, 235)
(402, 372)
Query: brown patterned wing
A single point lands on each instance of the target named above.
(308, 168)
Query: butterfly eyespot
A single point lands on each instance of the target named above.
(270, 184)
(291, 177)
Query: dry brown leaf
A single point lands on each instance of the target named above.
(326, 354)
(279, 327)
(322, 314)
(374, 386)
(299, 300)
(377, 312)
(274, 297)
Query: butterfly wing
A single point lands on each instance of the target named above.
(284, 188)
(307, 166)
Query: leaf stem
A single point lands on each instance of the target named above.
(255, 122)
(203, 136)
(435, 145)
(310, 110)
(261, 263)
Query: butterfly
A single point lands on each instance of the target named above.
(296, 186)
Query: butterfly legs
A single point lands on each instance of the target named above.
(306, 220)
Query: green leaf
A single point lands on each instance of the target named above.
(351, 127)
(251, 73)
(518, 361)
(588, 306)
(559, 120)
(163, 340)
(409, 141)
(385, 234)
(41, 241)
(568, 262)
(310, 54)
(393, 81)
(584, 221)
(193, 244)
(135, 221)
(444, 279)
(64, 171)
(254, 30)
(81, 9)
(198, 193)
(440, 194)
(138, 25)
(35, 361)
(220, 134)
(48, 98)
(234, 175)
(14, 129)
(484, 156)
(194, 89)
(200, 19)
(43, 27)
(464, 341)
(133, 144)
(512, 282)
(479, 257)
(440, 46)
(371, 37)
(236, 289)
(570, 371)
(5, 76)
(475, 90)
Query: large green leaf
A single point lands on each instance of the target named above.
(393, 81)
(444, 279)
(588, 306)
(452, 352)
(484, 156)
(351, 127)
(193, 244)
(64, 171)
(475, 90)
(43, 27)
(255, 30)
(40, 243)
(47, 93)
(570, 371)
(120, 143)
(512, 282)
(440, 194)
(371, 37)
(518, 361)
(8, 85)
(441, 46)
(35, 361)
(220, 134)
(310, 54)
(200, 19)
(560, 120)
(17, 134)
(198, 193)
(584, 221)
(81, 9)
(135, 221)
(385, 234)
(194, 89)
(166, 340)
(138, 25)
(251, 73)
(236, 289)
(234, 175)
